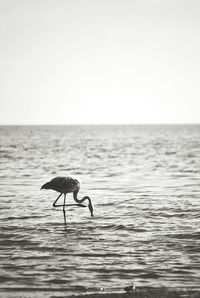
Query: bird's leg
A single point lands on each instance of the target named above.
(64, 209)
(54, 204)
(61, 205)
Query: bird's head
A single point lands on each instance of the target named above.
(90, 205)
(45, 186)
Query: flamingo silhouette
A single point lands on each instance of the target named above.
(66, 185)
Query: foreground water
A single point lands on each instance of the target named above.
(144, 183)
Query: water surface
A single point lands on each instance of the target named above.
(144, 183)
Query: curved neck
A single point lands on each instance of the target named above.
(75, 196)
(79, 201)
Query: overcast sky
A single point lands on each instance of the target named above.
(99, 61)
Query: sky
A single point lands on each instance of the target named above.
(99, 61)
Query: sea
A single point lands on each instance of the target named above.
(144, 183)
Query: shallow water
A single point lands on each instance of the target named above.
(144, 183)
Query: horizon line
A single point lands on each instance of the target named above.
(97, 124)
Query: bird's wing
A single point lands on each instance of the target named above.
(72, 183)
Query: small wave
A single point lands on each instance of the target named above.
(7, 196)
(170, 152)
(195, 235)
(121, 227)
(24, 217)
(7, 156)
(17, 242)
(150, 275)
(99, 255)
(106, 204)
(26, 175)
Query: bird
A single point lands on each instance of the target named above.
(64, 185)
(130, 289)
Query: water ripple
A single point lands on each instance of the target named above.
(144, 183)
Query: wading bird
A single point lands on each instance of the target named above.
(66, 185)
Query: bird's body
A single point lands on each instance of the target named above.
(65, 185)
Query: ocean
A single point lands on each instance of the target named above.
(144, 182)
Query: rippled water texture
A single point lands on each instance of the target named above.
(145, 185)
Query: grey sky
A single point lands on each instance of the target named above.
(105, 61)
